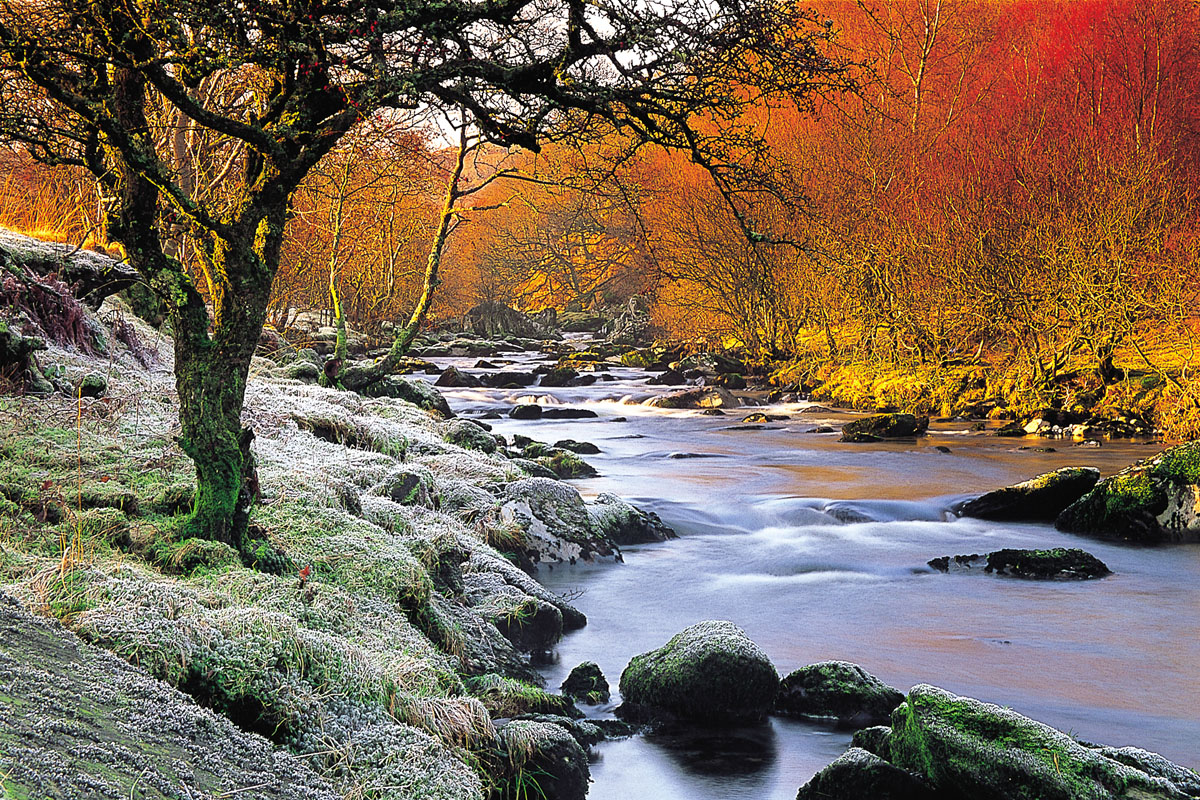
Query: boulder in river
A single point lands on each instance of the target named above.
(884, 426)
(700, 397)
(526, 411)
(1055, 563)
(559, 376)
(626, 524)
(837, 690)
(967, 748)
(455, 378)
(587, 684)
(710, 671)
(1155, 500)
(1039, 499)
(554, 521)
(861, 775)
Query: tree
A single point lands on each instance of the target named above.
(87, 82)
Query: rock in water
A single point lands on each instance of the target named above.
(1055, 563)
(1039, 499)
(860, 775)
(700, 397)
(76, 721)
(839, 690)
(710, 671)
(545, 759)
(1155, 500)
(884, 426)
(554, 521)
(587, 684)
(967, 748)
(627, 524)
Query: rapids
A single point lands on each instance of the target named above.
(818, 550)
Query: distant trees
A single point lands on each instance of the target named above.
(201, 121)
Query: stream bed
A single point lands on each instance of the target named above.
(818, 550)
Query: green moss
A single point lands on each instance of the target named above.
(509, 697)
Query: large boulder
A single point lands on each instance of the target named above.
(1153, 501)
(469, 434)
(710, 671)
(1039, 499)
(699, 397)
(967, 748)
(544, 760)
(497, 320)
(625, 524)
(884, 426)
(416, 391)
(860, 775)
(837, 690)
(554, 522)
(1057, 563)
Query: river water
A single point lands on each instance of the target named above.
(818, 549)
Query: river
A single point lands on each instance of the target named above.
(818, 549)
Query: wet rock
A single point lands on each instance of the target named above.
(545, 756)
(587, 684)
(557, 412)
(554, 521)
(565, 464)
(526, 411)
(966, 748)
(495, 320)
(559, 376)
(418, 392)
(875, 739)
(700, 397)
(1155, 500)
(1056, 563)
(454, 378)
(583, 448)
(1012, 429)
(626, 524)
(730, 381)
(469, 434)
(668, 378)
(884, 426)
(1039, 499)
(861, 775)
(838, 690)
(710, 671)
(508, 380)
(758, 416)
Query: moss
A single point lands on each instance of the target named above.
(107, 525)
(566, 464)
(509, 697)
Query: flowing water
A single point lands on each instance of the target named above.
(818, 550)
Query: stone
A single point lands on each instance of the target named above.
(967, 748)
(1039, 499)
(587, 684)
(93, 385)
(526, 411)
(583, 448)
(1054, 564)
(454, 378)
(557, 412)
(559, 376)
(545, 761)
(700, 397)
(861, 775)
(884, 426)
(1155, 500)
(710, 671)
(554, 521)
(626, 524)
(470, 435)
(837, 690)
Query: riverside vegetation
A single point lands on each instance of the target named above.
(374, 641)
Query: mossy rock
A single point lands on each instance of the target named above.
(471, 436)
(545, 761)
(559, 376)
(626, 524)
(565, 464)
(1155, 500)
(1057, 562)
(837, 690)
(418, 392)
(587, 684)
(710, 671)
(884, 426)
(1039, 499)
(861, 775)
(967, 748)
(93, 384)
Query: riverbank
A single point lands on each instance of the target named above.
(380, 636)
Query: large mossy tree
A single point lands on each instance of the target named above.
(199, 119)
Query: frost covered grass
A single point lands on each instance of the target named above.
(358, 655)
